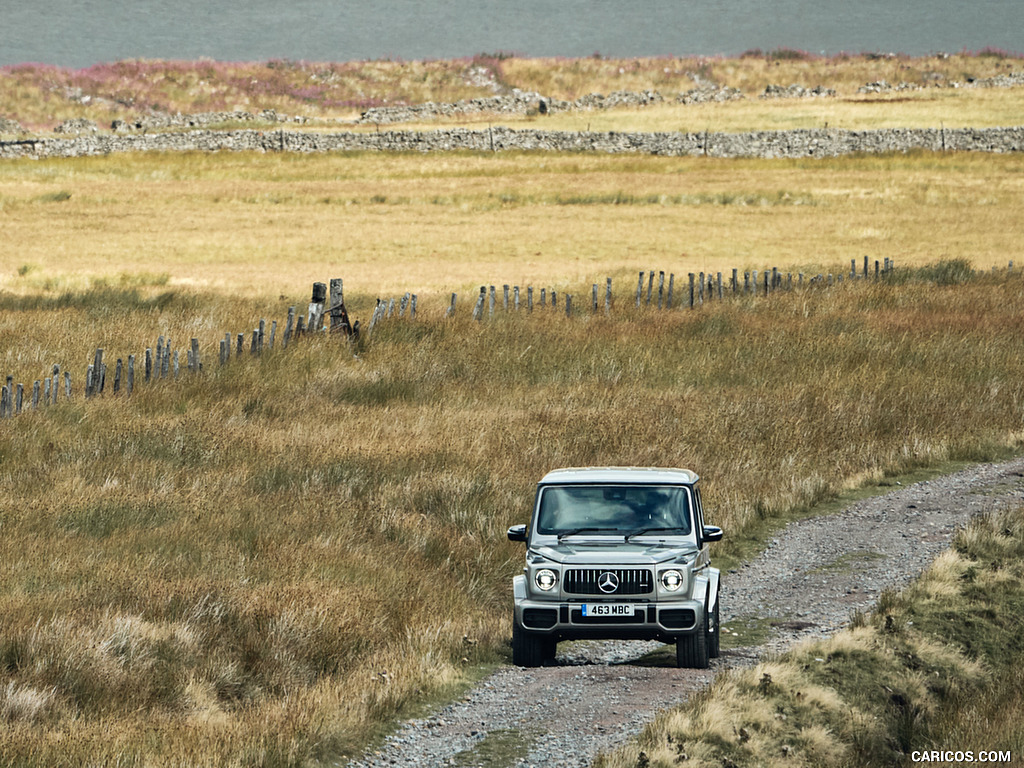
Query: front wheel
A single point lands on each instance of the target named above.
(692, 650)
(527, 650)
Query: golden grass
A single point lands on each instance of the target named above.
(262, 563)
(260, 225)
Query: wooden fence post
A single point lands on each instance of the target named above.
(289, 328)
(735, 281)
(607, 295)
(529, 298)
(543, 297)
(865, 267)
(594, 298)
(720, 294)
(515, 295)
(56, 382)
(650, 286)
(693, 296)
(46, 389)
(167, 358)
(240, 341)
(568, 305)
(316, 307)
(491, 302)
(478, 310)
(451, 307)
(195, 353)
(337, 302)
(35, 394)
(661, 288)
(504, 290)
(117, 377)
(700, 289)
(130, 381)
(89, 383)
(671, 287)
(97, 373)
(273, 332)
(19, 398)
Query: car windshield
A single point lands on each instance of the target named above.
(614, 509)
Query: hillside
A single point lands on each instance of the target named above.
(39, 97)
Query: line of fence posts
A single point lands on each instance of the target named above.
(163, 362)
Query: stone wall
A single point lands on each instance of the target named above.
(769, 144)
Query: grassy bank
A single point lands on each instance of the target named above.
(259, 565)
(40, 96)
(935, 667)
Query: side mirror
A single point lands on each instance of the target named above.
(517, 533)
(712, 533)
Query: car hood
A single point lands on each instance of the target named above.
(633, 553)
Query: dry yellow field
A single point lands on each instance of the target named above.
(269, 225)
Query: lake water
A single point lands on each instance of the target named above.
(79, 33)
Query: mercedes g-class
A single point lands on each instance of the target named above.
(616, 552)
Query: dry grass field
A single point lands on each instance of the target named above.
(263, 563)
(270, 225)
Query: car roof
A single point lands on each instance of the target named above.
(624, 475)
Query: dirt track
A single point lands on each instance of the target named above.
(809, 580)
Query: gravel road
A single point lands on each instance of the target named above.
(810, 579)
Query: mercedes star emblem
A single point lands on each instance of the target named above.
(608, 582)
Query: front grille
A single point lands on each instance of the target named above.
(540, 618)
(677, 618)
(630, 581)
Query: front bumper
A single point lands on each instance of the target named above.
(564, 620)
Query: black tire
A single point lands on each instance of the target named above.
(714, 634)
(692, 650)
(527, 650)
(550, 648)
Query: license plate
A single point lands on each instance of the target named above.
(607, 609)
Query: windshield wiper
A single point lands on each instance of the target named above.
(642, 531)
(574, 531)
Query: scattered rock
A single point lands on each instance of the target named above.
(796, 92)
(77, 125)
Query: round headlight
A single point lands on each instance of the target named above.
(671, 580)
(546, 579)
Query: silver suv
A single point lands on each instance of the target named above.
(616, 552)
